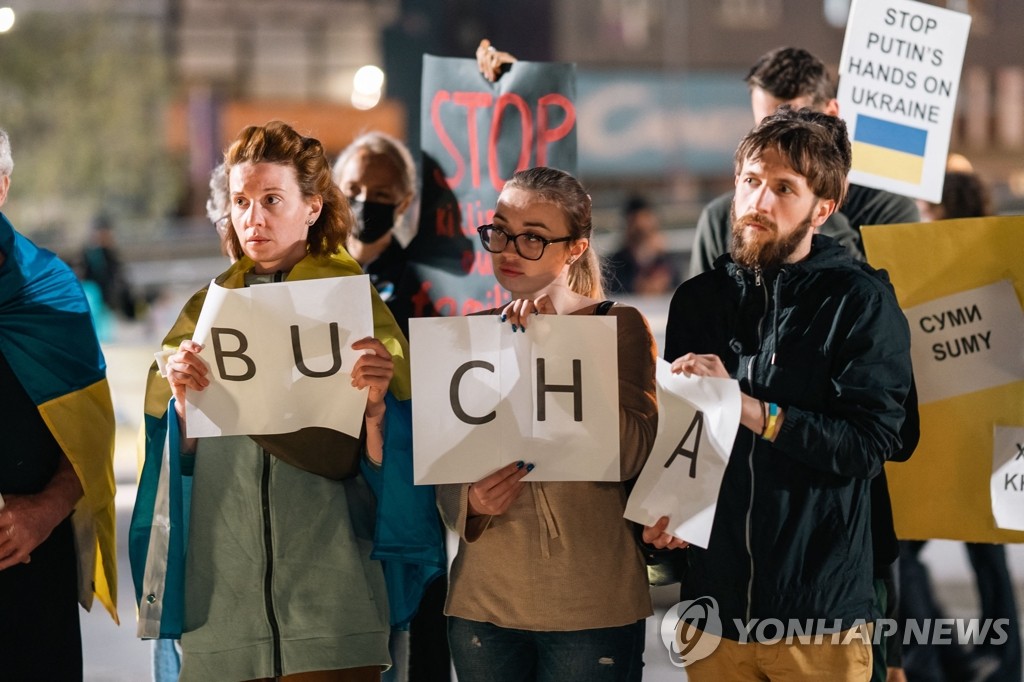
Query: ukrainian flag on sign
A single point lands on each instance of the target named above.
(889, 150)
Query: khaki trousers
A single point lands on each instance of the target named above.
(811, 661)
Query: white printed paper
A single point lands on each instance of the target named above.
(280, 357)
(698, 418)
(485, 396)
(967, 342)
(1007, 485)
(898, 79)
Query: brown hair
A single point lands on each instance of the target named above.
(813, 144)
(566, 192)
(786, 73)
(277, 142)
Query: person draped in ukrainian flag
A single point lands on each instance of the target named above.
(57, 545)
(275, 576)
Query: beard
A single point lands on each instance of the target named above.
(769, 252)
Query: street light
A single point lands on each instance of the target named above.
(6, 19)
(367, 87)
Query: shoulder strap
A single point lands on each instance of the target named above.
(603, 307)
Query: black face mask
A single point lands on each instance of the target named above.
(373, 220)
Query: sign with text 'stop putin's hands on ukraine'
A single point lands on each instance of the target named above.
(898, 79)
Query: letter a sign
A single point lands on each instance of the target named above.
(697, 422)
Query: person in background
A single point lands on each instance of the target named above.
(377, 174)
(57, 545)
(102, 264)
(642, 265)
(549, 583)
(964, 195)
(790, 75)
(822, 353)
(306, 601)
(218, 208)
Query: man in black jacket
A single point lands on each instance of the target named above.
(822, 352)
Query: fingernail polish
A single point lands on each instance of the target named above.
(514, 328)
(503, 317)
(519, 465)
(529, 468)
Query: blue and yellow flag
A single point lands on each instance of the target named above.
(889, 150)
(47, 337)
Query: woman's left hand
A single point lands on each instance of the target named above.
(518, 312)
(373, 370)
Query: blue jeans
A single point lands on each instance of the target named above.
(483, 652)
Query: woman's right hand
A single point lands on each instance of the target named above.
(185, 369)
(519, 311)
(494, 494)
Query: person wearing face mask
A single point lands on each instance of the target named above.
(377, 174)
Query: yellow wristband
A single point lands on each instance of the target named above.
(771, 427)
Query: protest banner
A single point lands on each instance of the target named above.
(967, 267)
(698, 418)
(898, 78)
(475, 135)
(486, 396)
(280, 358)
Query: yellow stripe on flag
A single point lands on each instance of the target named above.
(83, 425)
(887, 163)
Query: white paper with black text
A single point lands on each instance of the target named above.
(280, 357)
(485, 396)
(698, 418)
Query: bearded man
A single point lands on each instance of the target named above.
(822, 353)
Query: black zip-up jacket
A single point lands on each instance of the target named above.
(826, 340)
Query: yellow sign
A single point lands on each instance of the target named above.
(943, 491)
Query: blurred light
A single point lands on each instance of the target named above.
(367, 86)
(365, 100)
(837, 12)
(6, 19)
(368, 79)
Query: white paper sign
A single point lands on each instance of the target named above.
(967, 342)
(280, 357)
(485, 396)
(698, 418)
(1007, 484)
(898, 78)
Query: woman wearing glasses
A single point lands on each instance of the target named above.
(548, 583)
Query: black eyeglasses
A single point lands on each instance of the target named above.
(529, 246)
